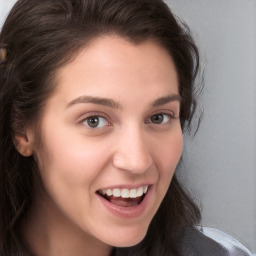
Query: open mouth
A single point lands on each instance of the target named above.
(124, 197)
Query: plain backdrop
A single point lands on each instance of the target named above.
(219, 162)
(221, 159)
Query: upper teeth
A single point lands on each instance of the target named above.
(125, 193)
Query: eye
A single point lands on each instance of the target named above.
(160, 118)
(95, 121)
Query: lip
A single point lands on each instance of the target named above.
(127, 212)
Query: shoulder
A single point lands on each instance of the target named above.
(212, 242)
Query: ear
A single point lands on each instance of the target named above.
(24, 143)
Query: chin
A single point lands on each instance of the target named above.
(127, 239)
(128, 243)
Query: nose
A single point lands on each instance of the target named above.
(132, 152)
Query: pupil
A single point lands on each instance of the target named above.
(93, 121)
(157, 119)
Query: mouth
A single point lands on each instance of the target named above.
(124, 197)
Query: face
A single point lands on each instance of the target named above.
(111, 138)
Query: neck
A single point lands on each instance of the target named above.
(46, 232)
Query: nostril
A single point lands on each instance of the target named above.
(132, 163)
(131, 151)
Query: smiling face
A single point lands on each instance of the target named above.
(111, 140)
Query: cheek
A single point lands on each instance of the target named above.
(70, 161)
(169, 153)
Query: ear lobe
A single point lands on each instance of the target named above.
(24, 144)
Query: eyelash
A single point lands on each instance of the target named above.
(169, 116)
(148, 121)
(86, 120)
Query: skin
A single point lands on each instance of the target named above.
(127, 148)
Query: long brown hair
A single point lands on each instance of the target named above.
(41, 36)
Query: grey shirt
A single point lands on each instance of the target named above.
(206, 241)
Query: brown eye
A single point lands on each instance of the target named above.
(160, 118)
(95, 121)
(157, 119)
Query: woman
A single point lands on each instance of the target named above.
(94, 97)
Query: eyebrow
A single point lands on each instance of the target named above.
(113, 104)
(95, 100)
(166, 99)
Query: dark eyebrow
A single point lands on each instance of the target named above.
(166, 99)
(113, 104)
(95, 100)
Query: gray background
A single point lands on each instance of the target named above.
(220, 160)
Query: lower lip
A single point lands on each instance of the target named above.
(127, 212)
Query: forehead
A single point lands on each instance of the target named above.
(112, 64)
